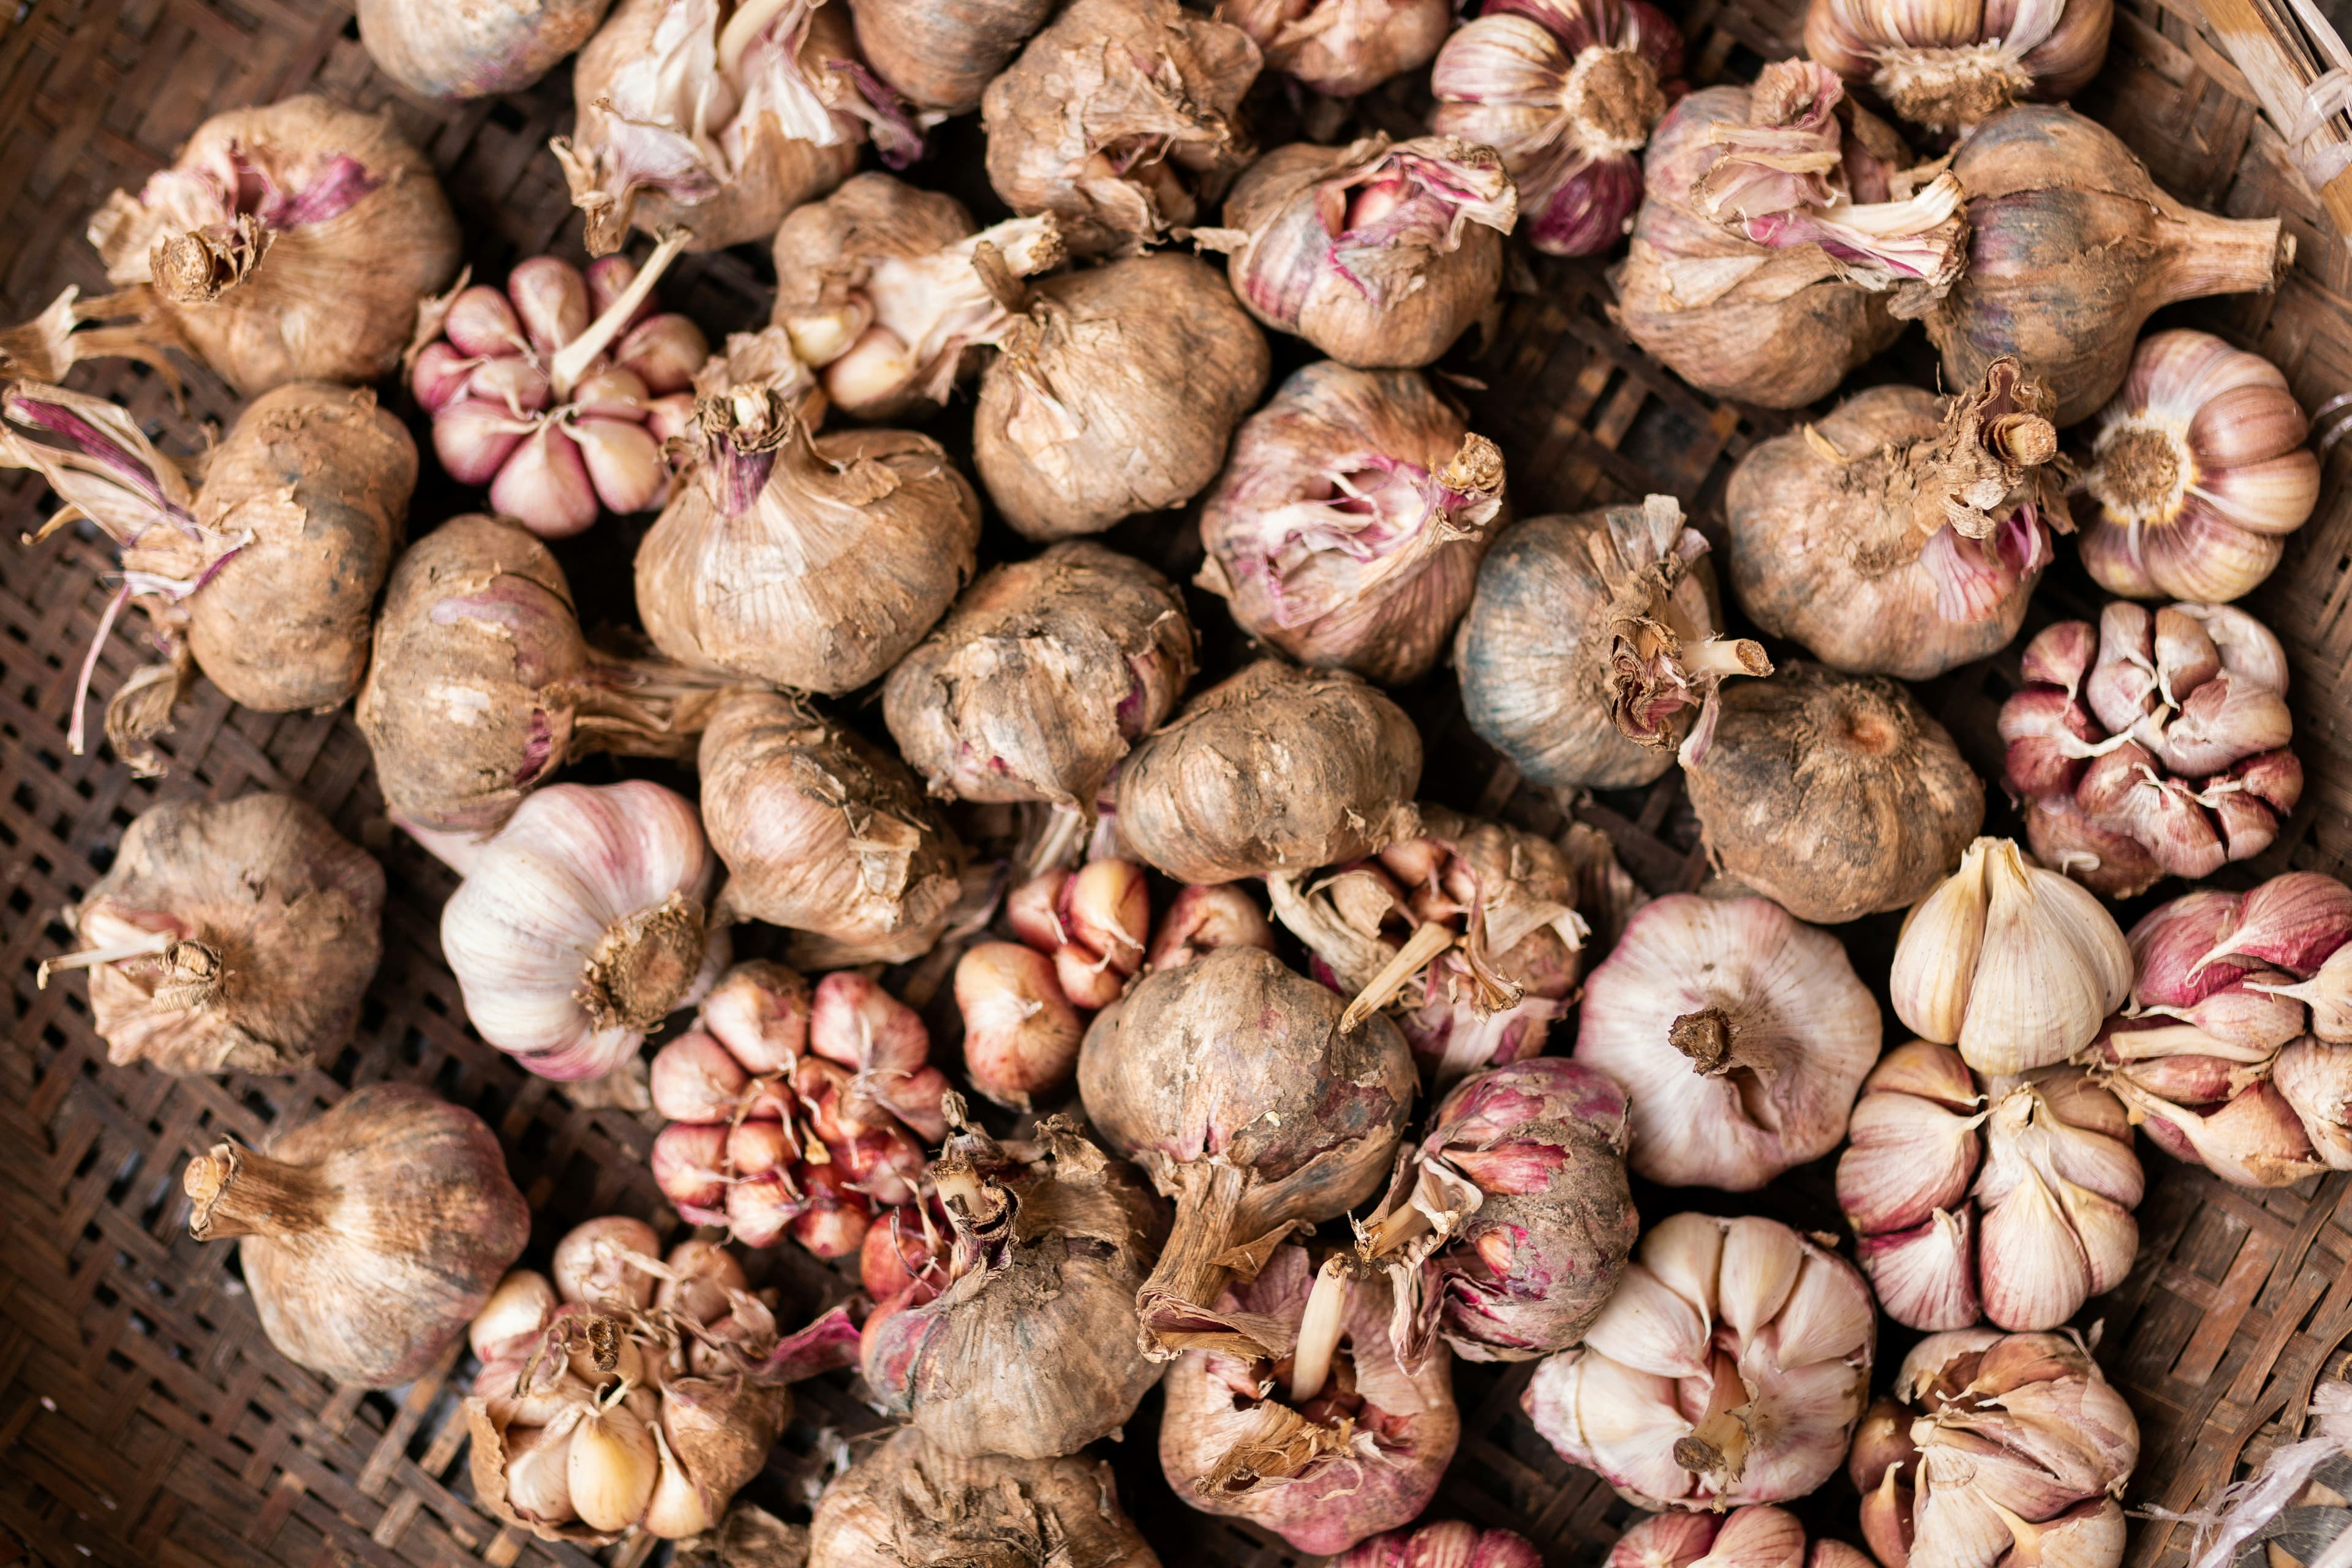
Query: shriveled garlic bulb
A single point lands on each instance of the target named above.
(1729, 1368)
(1342, 47)
(2046, 1224)
(883, 288)
(371, 1234)
(2013, 963)
(1449, 1543)
(229, 936)
(1589, 638)
(1908, 805)
(823, 832)
(2017, 1449)
(582, 925)
(942, 59)
(1757, 1536)
(1946, 70)
(1271, 770)
(906, 1503)
(2198, 474)
(1903, 533)
(1741, 1036)
(1348, 527)
(1119, 119)
(1378, 254)
(455, 54)
(1567, 91)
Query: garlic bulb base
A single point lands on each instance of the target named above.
(644, 965)
(1943, 87)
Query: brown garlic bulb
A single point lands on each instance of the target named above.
(909, 1502)
(1947, 68)
(1342, 47)
(1275, 769)
(941, 58)
(371, 1234)
(233, 936)
(1902, 535)
(1908, 804)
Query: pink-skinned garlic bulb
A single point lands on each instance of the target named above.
(890, 292)
(1348, 527)
(1323, 1436)
(1998, 1449)
(1567, 91)
(1756, 1536)
(583, 924)
(1342, 47)
(2163, 753)
(2198, 474)
(1947, 70)
(1740, 1034)
(1450, 1543)
(1379, 254)
(1729, 1368)
(2004, 1198)
(1202, 917)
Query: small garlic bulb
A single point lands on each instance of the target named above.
(1757, 1536)
(1729, 1368)
(2016, 965)
(1740, 1034)
(582, 925)
(1947, 67)
(2198, 474)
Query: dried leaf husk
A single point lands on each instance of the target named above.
(1907, 804)
(1342, 47)
(291, 242)
(455, 53)
(371, 1235)
(1275, 769)
(1119, 119)
(908, 1503)
(1116, 395)
(1040, 677)
(823, 832)
(244, 932)
(942, 58)
(1903, 533)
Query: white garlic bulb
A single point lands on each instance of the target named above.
(2016, 965)
(582, 925)
(1729, 1368)
(1739, 1034)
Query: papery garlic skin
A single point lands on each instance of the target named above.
(1674, 1397)
(458, 55)
(1740, 1034)
(1567, 91)
(907, 1501)
(2198, 473)
(1450, 1543)
(1342, 47)
(942, 59)
(583, 924)
(1757, 1536)
(1948, 70)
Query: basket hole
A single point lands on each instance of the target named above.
(507, 117)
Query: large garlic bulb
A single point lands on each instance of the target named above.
(1740, 1034)
(1729, 1368)
(909, 1502)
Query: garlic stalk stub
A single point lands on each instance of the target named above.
(1342, 47)
(1757, 1536)
(235, 936)
(1740, 1034)
(2198, 473)
(1947, 70)
(1351, 1441)
(1902, 535)
(2165, 754)
(1450, 1543)
(371, 1234)
(1588, 641)
(1676, 1398)
(1567, 91)
(1346, 529)
(906, 1503)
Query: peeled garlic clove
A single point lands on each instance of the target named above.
(1925, 1277)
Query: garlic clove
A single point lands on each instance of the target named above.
(2053, 964)
(2293, 921)
(1925, 1277)
(2031, 1264)
(1881, 1440)
(1649, 1326)
(1937, 953)
(1824, 1316)
(544, 485)
(2314, 1077)
(1906, 1158)
(520, 1305)
(1685, 1253)
(1928, 1070)
(2088, 1535)
(474, 438)
(624, 463)
(664, 352)
(2254, 1140)
(481, 321)
(1886, 1519)
(676, 1510)
(612, 1467)
(1758, 1537)
(539, 1485)
(550, 301)
(1625, 1423)
(2109, 1234)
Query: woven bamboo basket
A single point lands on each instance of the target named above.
(143, 1417)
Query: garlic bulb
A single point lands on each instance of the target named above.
(1040, 677)
(582, 925)
(1740, 1034)
(1757, 1536)
(1567, 91)
(2014, 965)
(1021, 1034)
(2198, 474)
(1118, 119)
(1346, 529)
(371, 1234)
(1729, 1368)
(1117, 394)
(1587, 641)
(235, 936)
(2046, 1225)
(1450, 1543)
(1907, 804)
(823, 832)
(1342, 47)
(905, 1501)
(882, 289)
(1327, 1438)
(2018, 1450)
(941, 59)
(1948, 70)
(1273, 769)
(1902, 535)
(1378, 254)
(454, 55)
(2164, 755)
